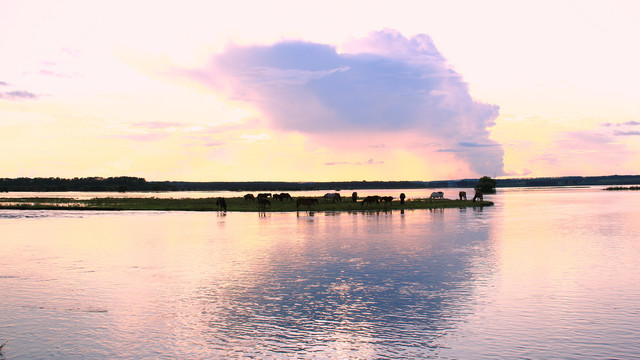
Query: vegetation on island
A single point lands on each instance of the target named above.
(486, 185)
(623, 188)
(232, 204)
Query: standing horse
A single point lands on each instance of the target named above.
(462, 195)
(308, 202)
(221, 203)
(478, 196)
(285, 196)
(249, 197)
(354, 196)
(262, 203)
(402, 197)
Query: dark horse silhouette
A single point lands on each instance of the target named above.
(375, 199)
(221, 203)
(402, 197)
(478, 196)
(249, 197)
(462, 195)
(306, 202)
(263, 202)
(354, 196)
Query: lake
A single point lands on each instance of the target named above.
(545, 273)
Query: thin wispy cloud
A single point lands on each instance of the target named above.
(18, 95)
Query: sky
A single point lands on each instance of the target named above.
(319, 90)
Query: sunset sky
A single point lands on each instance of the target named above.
(319, 90)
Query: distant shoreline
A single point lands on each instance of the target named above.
(135, 184)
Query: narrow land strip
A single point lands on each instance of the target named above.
(236, 204)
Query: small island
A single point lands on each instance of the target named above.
(615, 188)
(231, 204)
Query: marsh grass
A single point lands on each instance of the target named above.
(623, 188)
(233, 204)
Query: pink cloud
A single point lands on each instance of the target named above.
(381, 85)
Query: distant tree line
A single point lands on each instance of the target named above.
(122, 183)
(128, 183)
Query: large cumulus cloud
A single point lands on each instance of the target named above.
(383, 84)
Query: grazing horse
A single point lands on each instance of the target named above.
(387, 199)
(354, 196)
(264, 195)
(249, 197)
(277, 197)
(478, 196)
(221, 203)
(402, 197)
(306, 202)
(262, 203)
(462, 195)
(436, 195)
(334, 197)
(371, 200)
(285, 196)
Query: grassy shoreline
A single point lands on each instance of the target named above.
(234, 204)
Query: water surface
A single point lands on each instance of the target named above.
(545, 273)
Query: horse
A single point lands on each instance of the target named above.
(402, 197)
(262, 203)
(370, 200)
(436, 195)
(334, 197)
(306, 202)
(387, 199)
(264, 195)
(478, 196)
(354, 197)
(462, 195)
(221, 203)
(285, 196)
(249, 197)
(276, 197)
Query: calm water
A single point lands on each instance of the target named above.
(549, 273)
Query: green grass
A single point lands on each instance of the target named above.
(209, 204)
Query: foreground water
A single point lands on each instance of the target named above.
(545, 273)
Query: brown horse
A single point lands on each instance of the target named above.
(249, 197)
(221, 203)
(402, 197)
(478, 196)
(354, 196)
(306, 202)
(375, 199)
(264, 195)
(285, 196)
(262, 203)
(387, 199)
(462, 195)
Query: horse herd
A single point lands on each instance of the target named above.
(262, 199)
